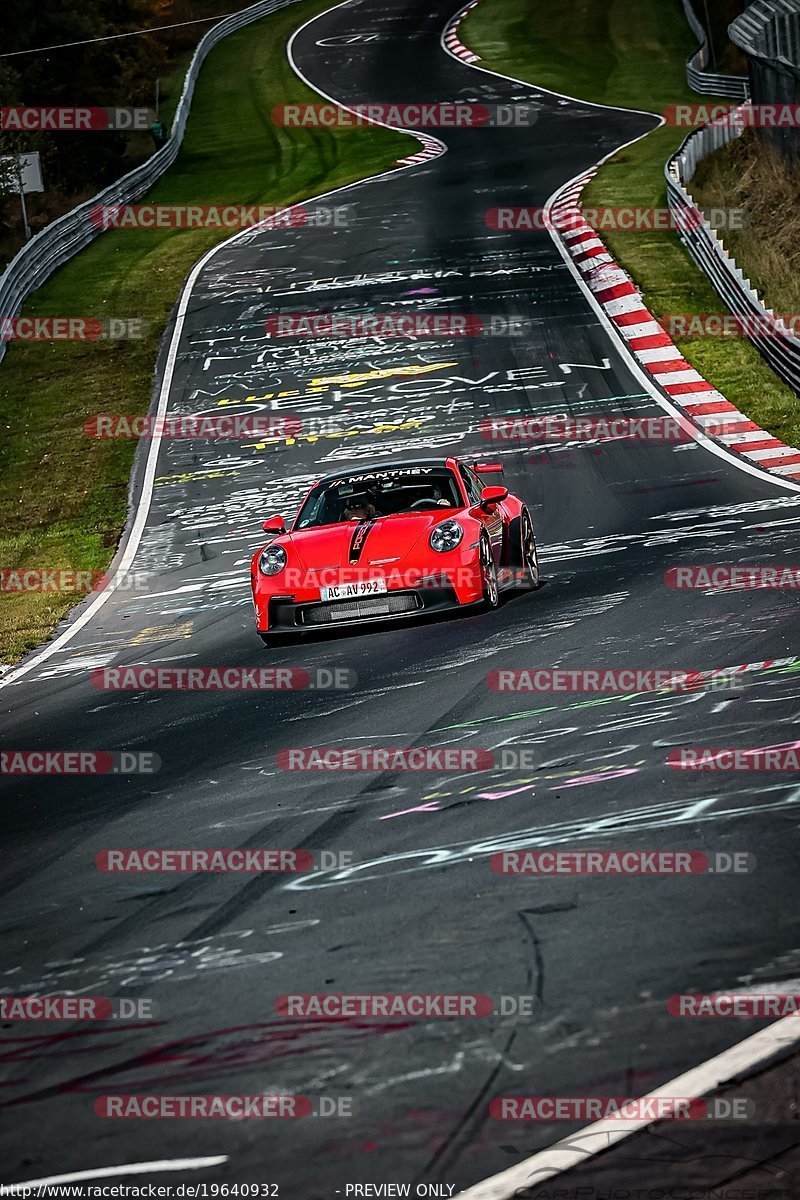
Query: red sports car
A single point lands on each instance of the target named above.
(389, 540)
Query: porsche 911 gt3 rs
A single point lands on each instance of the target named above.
(393, 540)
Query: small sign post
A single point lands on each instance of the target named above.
(26, 176)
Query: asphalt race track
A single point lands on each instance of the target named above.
(419, 909)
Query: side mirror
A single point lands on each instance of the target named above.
(274, 525)
(491, 496)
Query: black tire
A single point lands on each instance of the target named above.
(529, 553)
(491, 589)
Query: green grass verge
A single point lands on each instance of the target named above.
(750, 173)
(62, 494)
(601, 50)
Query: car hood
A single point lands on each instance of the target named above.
(383, 540)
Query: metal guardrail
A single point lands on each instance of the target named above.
(778, 345)
(768, 32)
(61, 239)
(707, 83)
(769, 29)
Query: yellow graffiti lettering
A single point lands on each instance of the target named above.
(348, 381)
(163, 480)
(385, 373)
(313, 438)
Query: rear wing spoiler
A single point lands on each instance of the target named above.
(487, 468)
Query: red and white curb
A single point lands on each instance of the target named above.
(431, 148)
(722, 674)
(654, 350)
(453, 44)
(452, 40)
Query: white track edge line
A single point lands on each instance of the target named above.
(747, 1054)
(13, 674)
(142, 1168)
(465, 10)
(571, 1151)
(642, 376)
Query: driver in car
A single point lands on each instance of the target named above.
(360, 508)
(434, 500)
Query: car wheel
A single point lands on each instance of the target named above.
(491, 591)
(528, 551)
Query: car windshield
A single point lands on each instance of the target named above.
(381, 493)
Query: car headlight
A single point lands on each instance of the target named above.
(446, 536)
(272, 560)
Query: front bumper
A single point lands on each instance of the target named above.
(285, 614)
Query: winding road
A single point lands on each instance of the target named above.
(419, 908)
